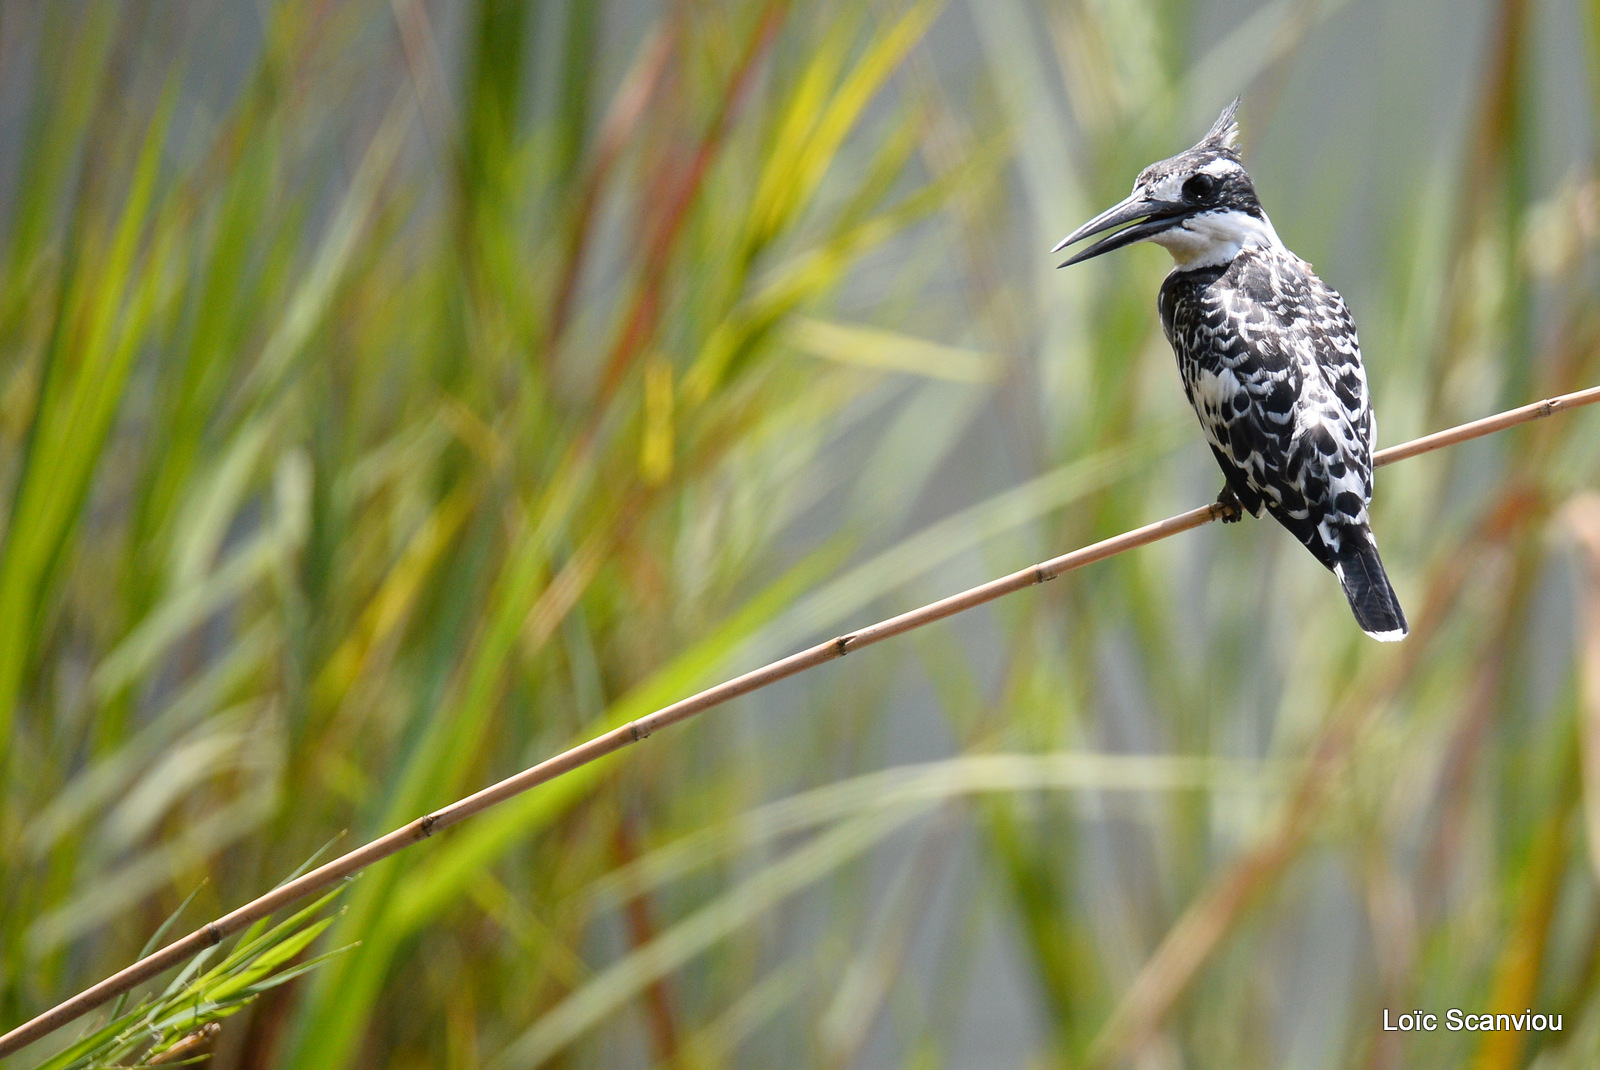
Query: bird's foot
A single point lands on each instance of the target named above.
(1232, 510)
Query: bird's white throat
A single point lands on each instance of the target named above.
(1215, 238)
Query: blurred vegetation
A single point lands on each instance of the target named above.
(394, 393)
(179, 1024)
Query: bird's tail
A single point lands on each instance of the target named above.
(1372, 599)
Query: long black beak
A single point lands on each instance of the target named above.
(1149, 216)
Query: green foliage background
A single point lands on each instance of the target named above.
(393, 393)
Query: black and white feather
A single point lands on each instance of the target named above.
(1269, 359)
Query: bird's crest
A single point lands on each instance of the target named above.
(1224, 133)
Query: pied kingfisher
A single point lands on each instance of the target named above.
(1269, 360)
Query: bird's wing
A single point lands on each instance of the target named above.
(1337, 352)
(1287, 399)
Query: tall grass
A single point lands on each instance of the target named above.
(391, 393)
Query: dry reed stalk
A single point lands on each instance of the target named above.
(215, 932)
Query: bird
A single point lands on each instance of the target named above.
(1269, 359)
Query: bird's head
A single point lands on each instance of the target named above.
(1200, 205)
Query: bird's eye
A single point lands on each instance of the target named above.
(1199, 187)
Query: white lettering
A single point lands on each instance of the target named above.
(1456, 1020)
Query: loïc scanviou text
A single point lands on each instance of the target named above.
(1457, 1020)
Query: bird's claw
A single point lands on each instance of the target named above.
(1232, 510)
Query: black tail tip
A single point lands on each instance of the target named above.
(1372, 599)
